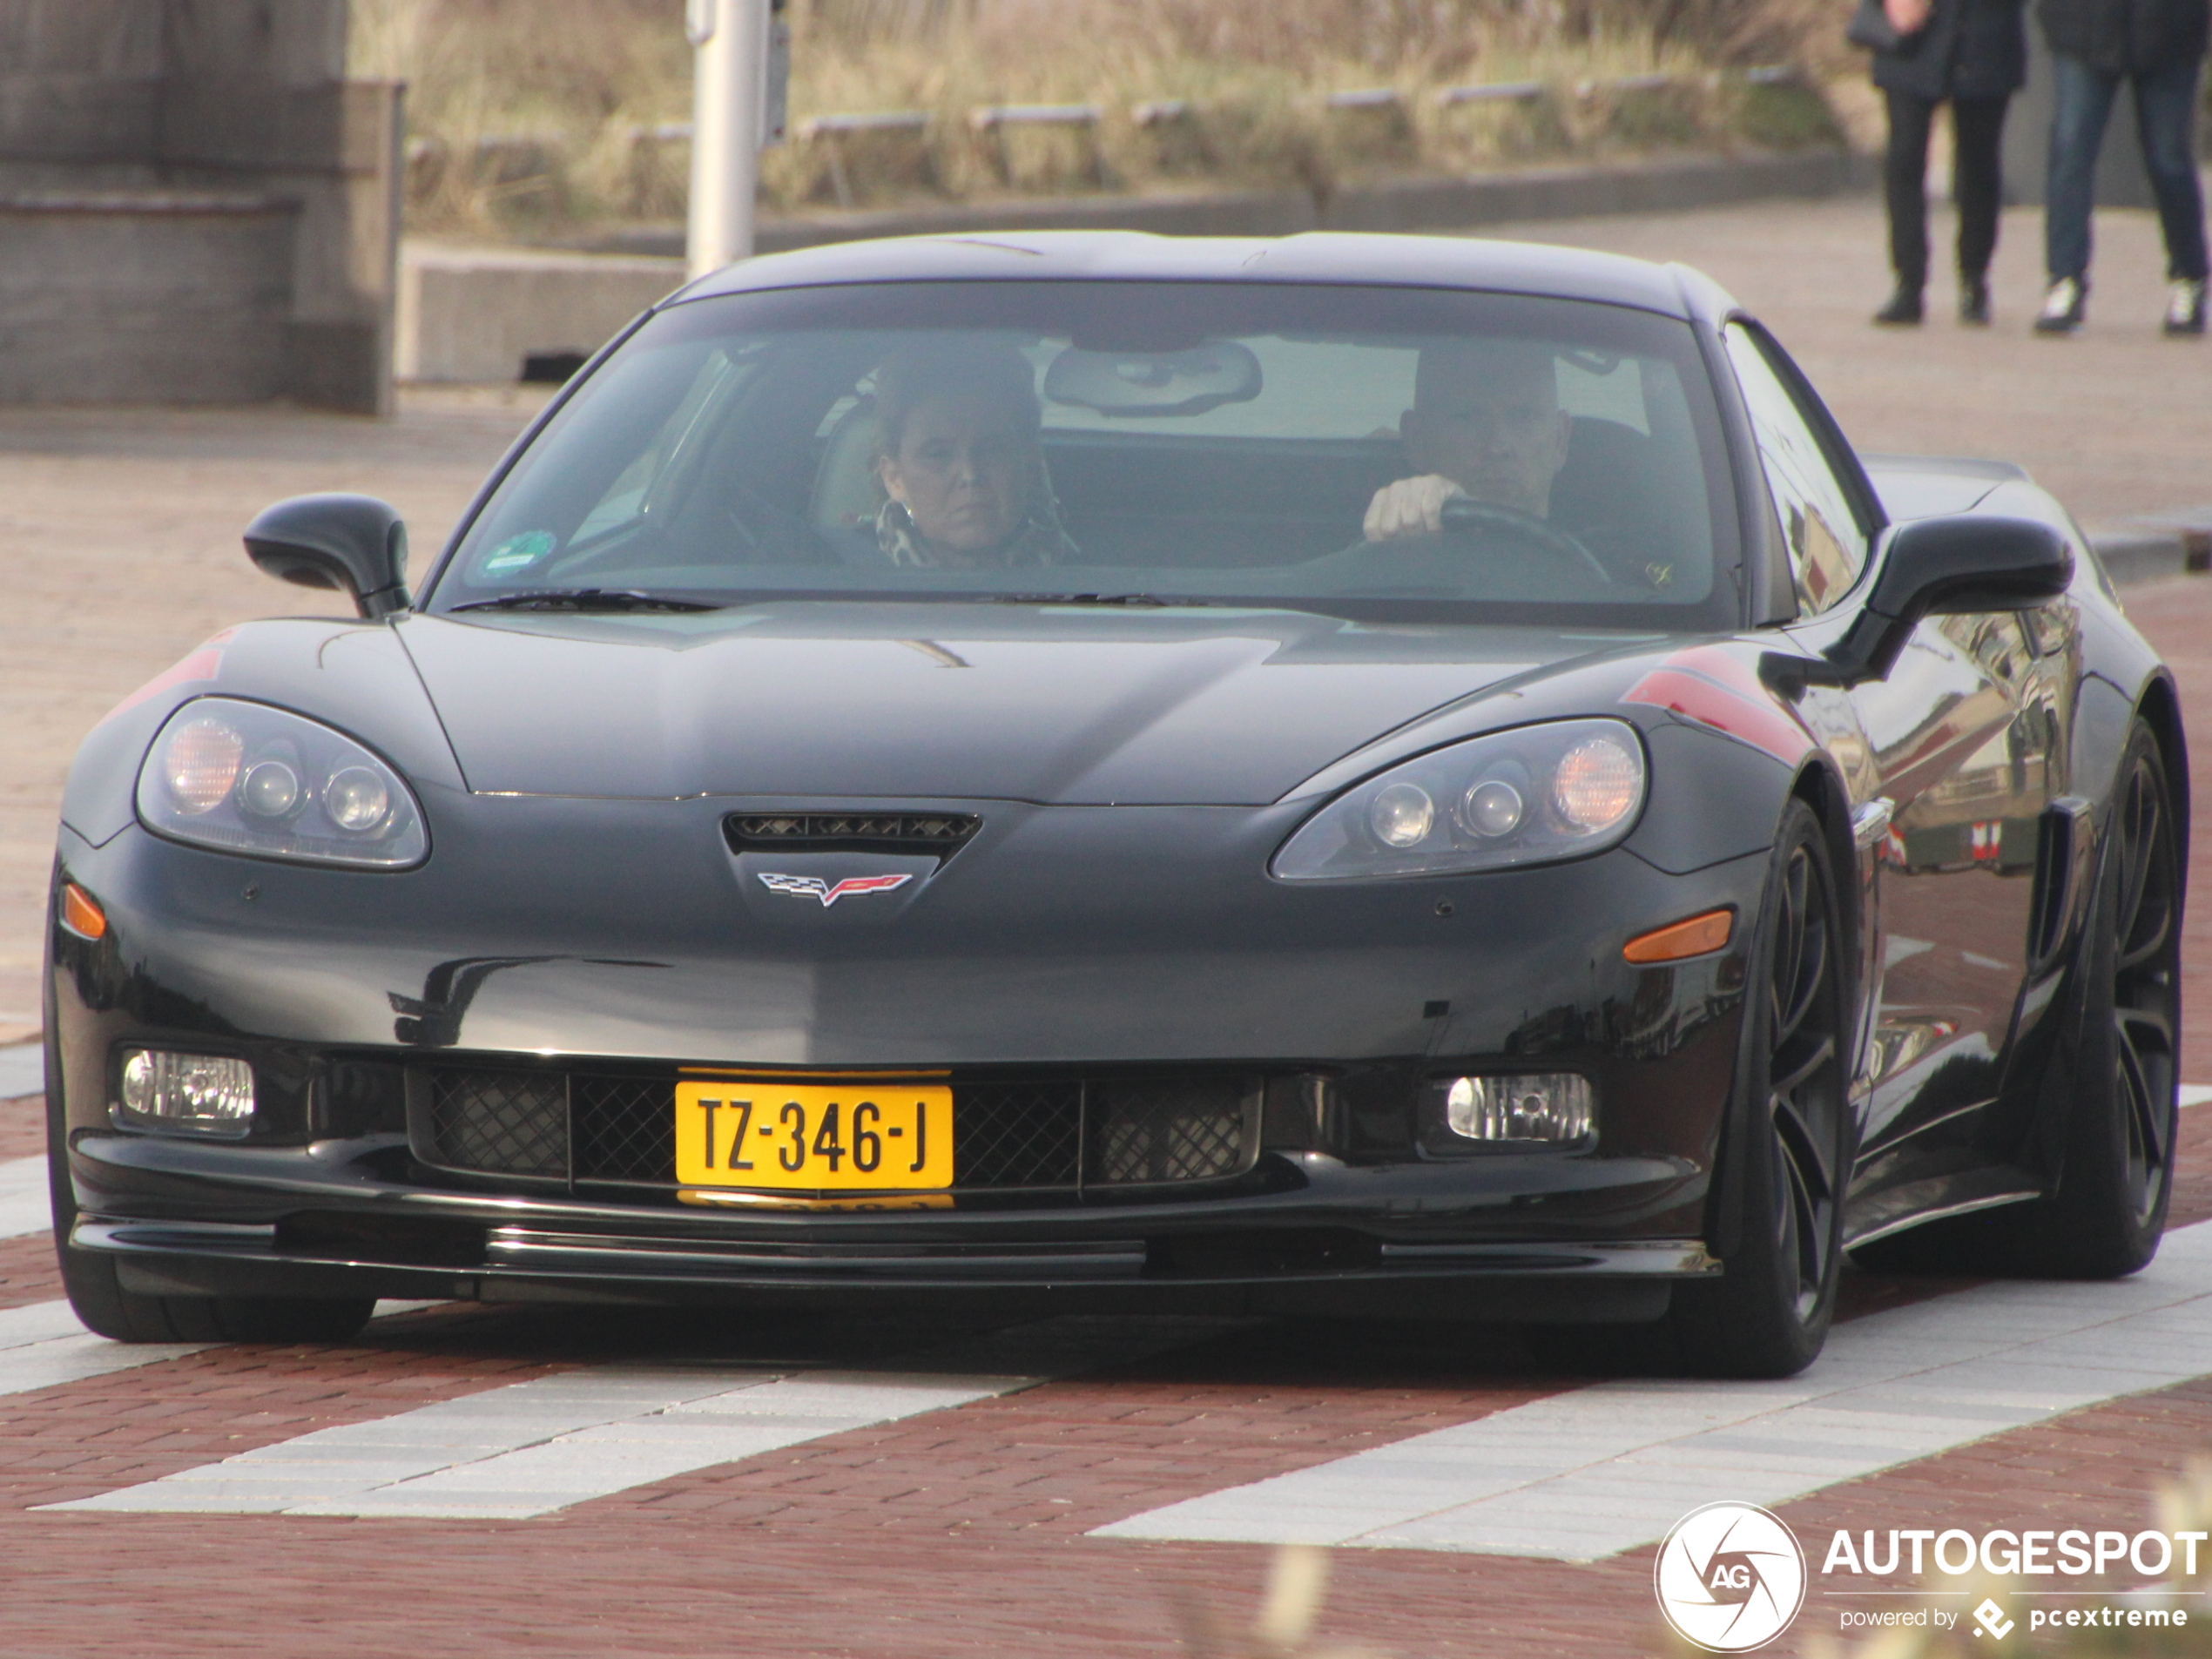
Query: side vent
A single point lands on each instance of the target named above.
(2063, 847)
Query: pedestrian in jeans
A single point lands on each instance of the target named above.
(2157, 46)
(1973, 53)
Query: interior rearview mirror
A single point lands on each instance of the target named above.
(1155, 382)
(1935, 567)
(355, 543)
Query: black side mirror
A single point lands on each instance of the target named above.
(1940, 567)
(355, 543)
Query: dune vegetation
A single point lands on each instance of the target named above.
(535, 117)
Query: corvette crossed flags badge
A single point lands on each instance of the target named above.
(812, 886)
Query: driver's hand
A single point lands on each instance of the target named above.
(1410, 507)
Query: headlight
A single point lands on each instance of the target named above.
(250, 778)
(1520, 797)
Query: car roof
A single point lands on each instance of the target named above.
(1314, 256)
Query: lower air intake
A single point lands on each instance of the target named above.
(1149, 1130)
(496, 1122)
(1057, 1134)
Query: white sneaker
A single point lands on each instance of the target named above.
(2184, 306)
(2064, 304)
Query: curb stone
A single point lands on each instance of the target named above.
(1667, 184)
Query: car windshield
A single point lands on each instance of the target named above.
(1357, 450)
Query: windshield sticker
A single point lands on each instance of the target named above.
(516, 553)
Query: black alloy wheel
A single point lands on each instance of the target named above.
(1785, 1160)
(2145, 995)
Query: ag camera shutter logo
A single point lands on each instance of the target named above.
(1729, 1577)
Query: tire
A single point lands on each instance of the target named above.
(107, 1309)
(1785, 1160)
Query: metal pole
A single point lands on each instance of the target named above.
(730, 77)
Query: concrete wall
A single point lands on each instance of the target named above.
(106, 301)
(474, 314)
(195, 205)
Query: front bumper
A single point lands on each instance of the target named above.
(642, 964)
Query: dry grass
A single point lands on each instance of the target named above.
(525, 110)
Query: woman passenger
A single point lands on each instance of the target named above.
(957, 453)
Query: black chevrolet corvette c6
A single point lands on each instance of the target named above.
(1356, 775)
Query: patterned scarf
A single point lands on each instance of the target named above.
(1037, 540)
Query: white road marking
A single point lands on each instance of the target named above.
(1586, 1474)
(23, 1070)
(531, 1448)
(1576, 1477)
(42, 1344)
(23, 1204)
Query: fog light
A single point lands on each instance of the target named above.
(1549, 1107)
(206, 1093)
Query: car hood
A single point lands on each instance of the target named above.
(1061, 704)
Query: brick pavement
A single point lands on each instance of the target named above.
(961, 1532)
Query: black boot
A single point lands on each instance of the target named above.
(1904, 309)
(1973, 300)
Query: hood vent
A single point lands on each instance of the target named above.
(942, 833)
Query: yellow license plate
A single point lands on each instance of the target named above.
(866, 1136)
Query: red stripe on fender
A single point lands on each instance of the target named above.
(203, 665)
(1759, 722)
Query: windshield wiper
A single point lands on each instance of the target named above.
(588, 599)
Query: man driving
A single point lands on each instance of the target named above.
(1486, 423)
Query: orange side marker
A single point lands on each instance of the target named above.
(1692, 938)
(80, 915)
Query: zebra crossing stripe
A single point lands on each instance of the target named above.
(1588, 1473)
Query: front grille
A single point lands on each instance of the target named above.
(498, 1122)
(1017, 1134)
(939, 832)
(625, 1128)
(1033, 1135)
(1149, 1129)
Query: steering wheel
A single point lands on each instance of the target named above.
(1464, 516)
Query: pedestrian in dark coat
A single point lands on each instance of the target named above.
(2158, 46)
(1972, 54)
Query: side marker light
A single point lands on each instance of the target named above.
(1695, 937)
(80, 915)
